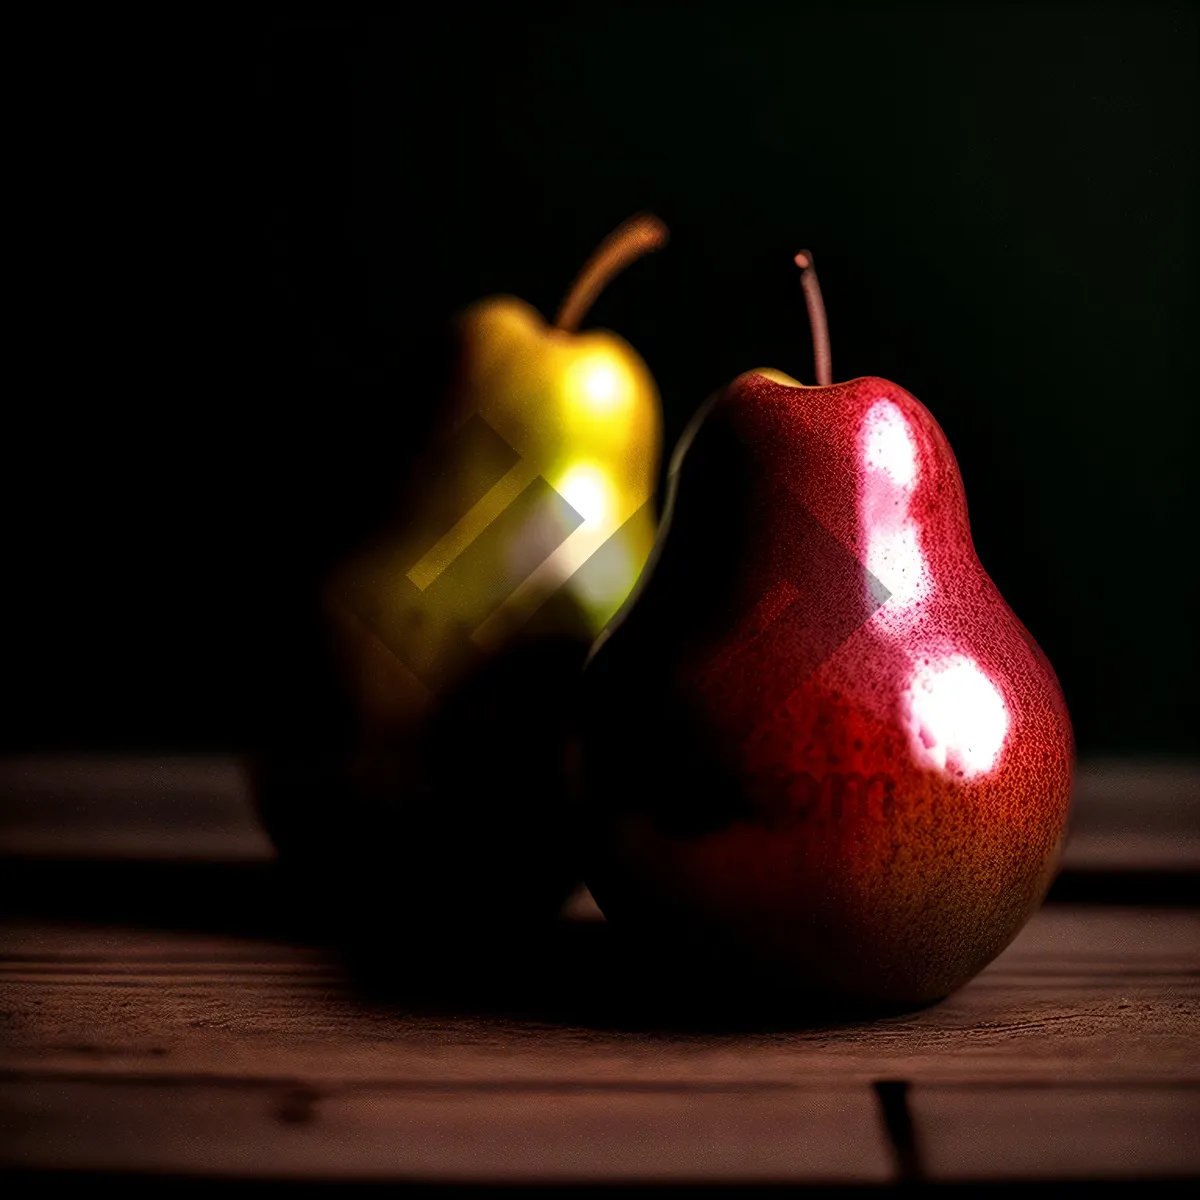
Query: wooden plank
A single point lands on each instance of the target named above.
(445, 1134)
(1139, 815)
(1084, 996)
(159, 1015)
(180, 807)
(988, 1133)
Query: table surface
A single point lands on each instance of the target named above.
(175, 1025)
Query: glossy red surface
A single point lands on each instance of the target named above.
(885, 754)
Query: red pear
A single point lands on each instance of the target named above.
(819, 742)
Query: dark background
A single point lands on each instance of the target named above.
(243, 238)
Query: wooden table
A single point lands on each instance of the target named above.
(162, 1016)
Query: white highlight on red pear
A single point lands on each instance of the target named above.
(890, 472)
(888, 445)
(954, 715)
(956, 718)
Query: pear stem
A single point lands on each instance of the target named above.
(632, 239)
(822, 355)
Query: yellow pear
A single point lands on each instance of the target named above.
(430, 776)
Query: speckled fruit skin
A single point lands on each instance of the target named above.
(861, 800)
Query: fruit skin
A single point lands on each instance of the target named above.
(783, 777)
(417, 774)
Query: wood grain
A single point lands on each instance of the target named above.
(1081, 996)
(446, 1134)
(1132, 1133)
(162, 1011)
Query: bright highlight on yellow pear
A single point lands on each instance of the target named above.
(583, 413)
(543, 505)
(588, 489)
(599, 388)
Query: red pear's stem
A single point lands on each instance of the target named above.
(626, 244)
(822, 356)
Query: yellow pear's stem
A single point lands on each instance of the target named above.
(822, 355)
(626, 244)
